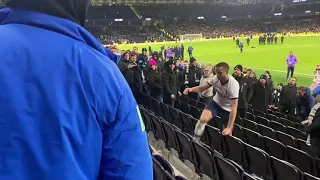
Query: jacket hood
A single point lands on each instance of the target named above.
(74, 10)
(308, 92)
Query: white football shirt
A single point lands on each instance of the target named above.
(225, 93)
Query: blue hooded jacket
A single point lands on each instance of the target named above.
(305, 103)
(66, 112)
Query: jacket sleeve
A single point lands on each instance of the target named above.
(270, 97)
(315, 125)
(123, 68)
(250, 91)
(311, 101)
(165, 82)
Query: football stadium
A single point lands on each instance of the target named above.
(160, 90)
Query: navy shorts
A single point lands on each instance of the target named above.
(216, 110)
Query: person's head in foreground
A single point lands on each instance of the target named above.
(252, 75)
(222, 72)
(66, 111)
(263, 80)
(280, 86)
(193, 62)
(291, 54)
(237, 70)
(207, 71)
(293, 81)
(301, 91)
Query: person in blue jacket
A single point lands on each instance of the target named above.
(66, 111)
(304, 102)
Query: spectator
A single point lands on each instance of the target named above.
(170, 83)
(315, 87)
(71, 116)
(291, 63)
(305, 102)
(143, 59)
(154, 81)
(262, 97)
(157, 59)
(252, 77)
(269, 80)
(313, 128)
(207, 95)
(315, 109)
(192, 75)
(276, 94)
(246, 90)
(288, 97)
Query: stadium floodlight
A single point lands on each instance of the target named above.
(118, 20)
(148, 19)
(278, 14)
(200, 17)
(224, 17)
(307, 12)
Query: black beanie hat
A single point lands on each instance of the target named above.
(239, 67)
(192, 60)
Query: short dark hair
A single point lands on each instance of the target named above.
(295, 78)
(302, 88)
(223, 65)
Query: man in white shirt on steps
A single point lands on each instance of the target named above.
(224, 104)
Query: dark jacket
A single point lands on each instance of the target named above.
(133, 76)
(304, 104)
(169, 81)
(288, 95)
(245, 91)
(154, 82)
(194, 75)
(314, 130)
(261, 97)
(253, 81)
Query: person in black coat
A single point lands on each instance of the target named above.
(313, 130)
(262, 96)
(170, 83)
(245, 92)
(192, 75)
(154, 81)
(252, 78)
(288, 97)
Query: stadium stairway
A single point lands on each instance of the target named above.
(135, 11)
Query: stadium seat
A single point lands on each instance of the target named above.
(282, 170)
(257, 161)
(166, 112)
(303, 146)
(262, 120)
(146, 119)
(299, 126)
(193, 102)
(184, 98)
(157, 107)
(175, 116)
(237, 132)
(185, 147)
(204, 159)
(270, 111)
(296, 133)
(286, 139)
(250, 124)
(293, 119)
(169, 176)
(285, 122)
(170, 136)
(246, 176)
(279, 114)
(185, 107)
(201, 105)
(259, 113)
(242, 112)
(215, 138)
(239, 121)
(226, 170)
(277, 126)
(157, 126)
(253, 138)
(307, 176)
(317, 166)
(301, 159)
(180, 178)
(234, 150)
(273, 117)
(251, 116)
(158, 171)
(177, 104)
(165, 164)
(186, 123)
(195, 112)
(275, 148)
(266, 131)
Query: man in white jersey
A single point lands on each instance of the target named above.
(225, 101)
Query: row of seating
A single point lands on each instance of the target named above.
(213, 164)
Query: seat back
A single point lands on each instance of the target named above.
(177, 104)
(277, 126)
(253, 138)
(286, 139)
(239, 121)
(250, 125)
(195, 112)
(166, 112)
(283, 170)
(301, 159)
(201, 105)
(262, 120)
(293, 119)
(273, 117)
(285, 122)
(226, 170)
(307, 176)
(185, 147)
(266, 131)
(259, 113)
(234, 150)
(175, 116)
(275, 148)
(257, 161)
(215, 138)
(157, 107)
(246, 176)
(303, 146)
(251, 116)
(296, 133)
(193, 102)
(158, 171)
(279, 114)
(186, 123)
(185, 107)
(146, 119)
(204, 159)
(158, 130)
(170, 136)
(180, 178)
(165, 164)
(237, 132)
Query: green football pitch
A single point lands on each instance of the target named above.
(259, 58)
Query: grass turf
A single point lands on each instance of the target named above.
(257, 57)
